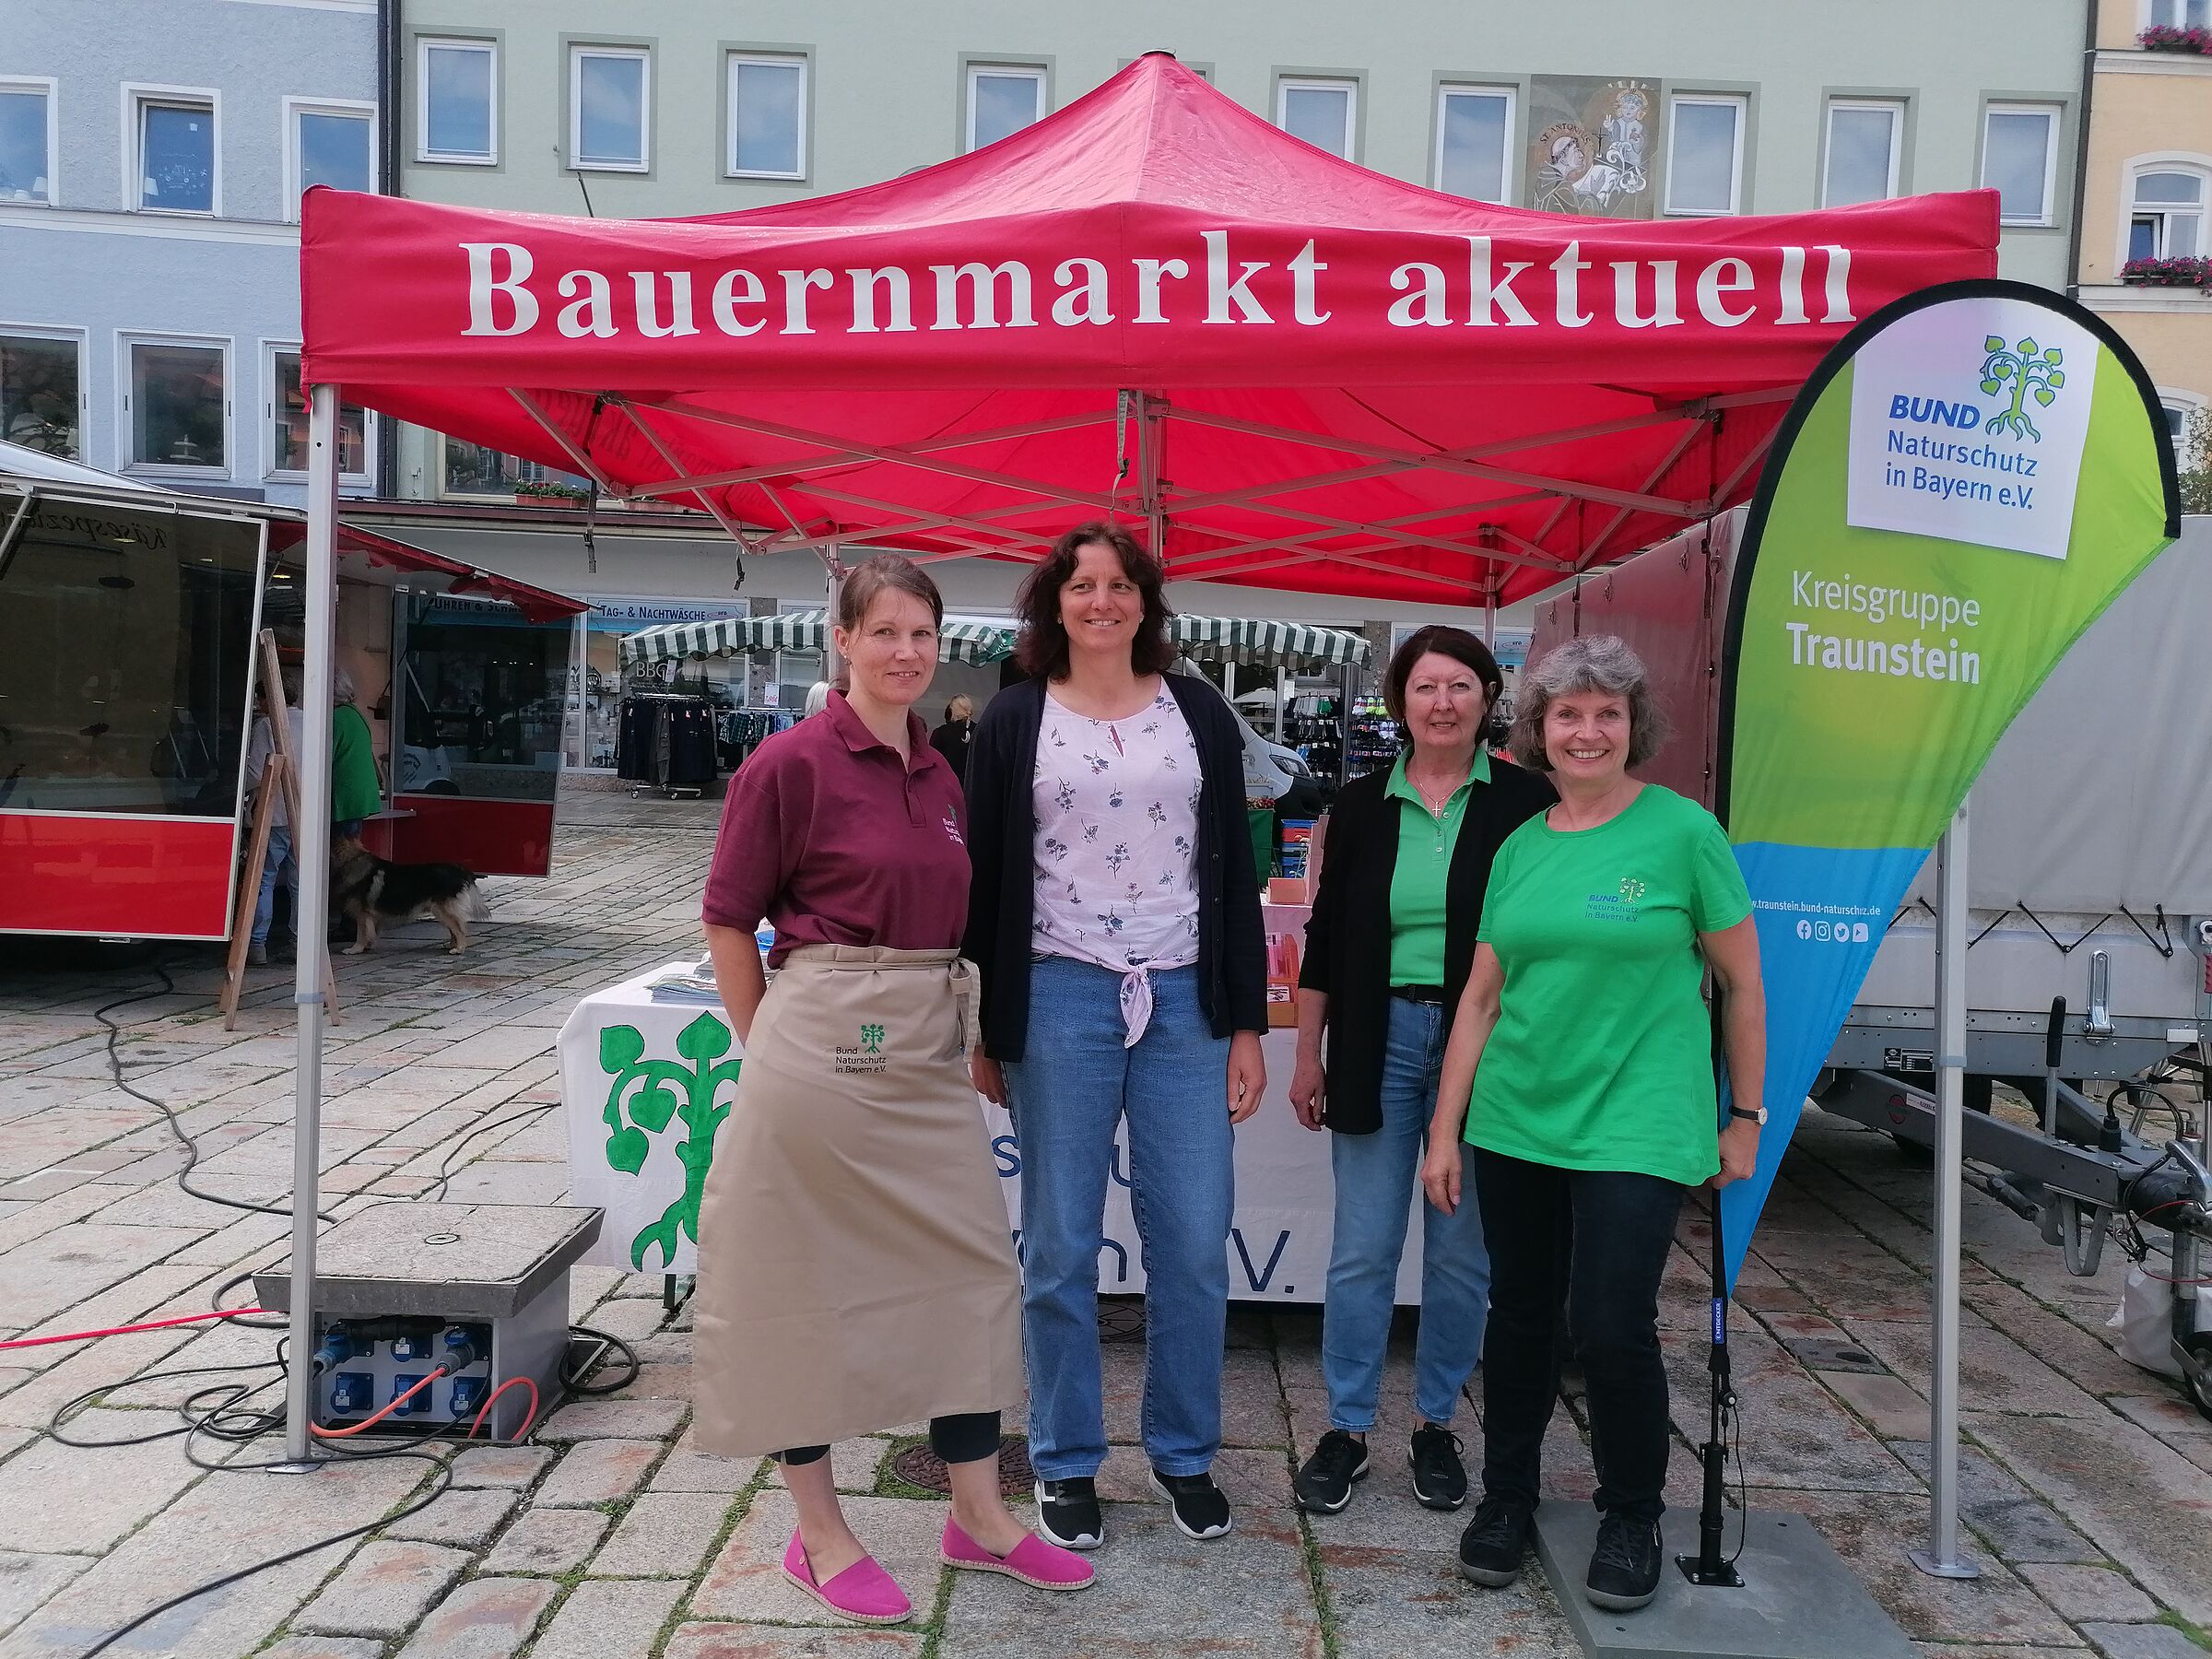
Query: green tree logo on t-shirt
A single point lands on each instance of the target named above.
(1632, 888)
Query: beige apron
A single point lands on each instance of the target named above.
(855, 1270)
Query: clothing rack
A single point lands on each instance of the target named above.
(666, 741)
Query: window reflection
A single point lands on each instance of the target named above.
(481, 696)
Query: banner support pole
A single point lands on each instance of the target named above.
(1942, 1558)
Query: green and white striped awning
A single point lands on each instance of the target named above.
(962, 638)
(1245, 640)
(1249, 641)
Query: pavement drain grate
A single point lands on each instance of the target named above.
(918, 1465)
(1831, 1354)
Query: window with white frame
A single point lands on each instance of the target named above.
(610, 91)
(2182, 14)
(1322, 112)
(2166, 215)
(26, 141)
(1705, 154)
(1474, 138)
(767, 116)
(472, 469)
(329, 143)
(458, 109)
(175, 139)
(1865, 138)
(176, 405)
(41, 392)
(285, 413)
(1001, 100)
(2020, 160)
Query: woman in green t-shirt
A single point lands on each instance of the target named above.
(1579, 1067)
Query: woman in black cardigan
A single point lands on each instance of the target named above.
(1116, 918)
(1413, 845)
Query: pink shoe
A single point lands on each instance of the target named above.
(1045, 1566)
(863, 1592)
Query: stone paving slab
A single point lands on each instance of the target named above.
(547, 1541)
(708, 1640)
(485, 1618)
(664, 1535)
(607, 1621)
(383, 1591)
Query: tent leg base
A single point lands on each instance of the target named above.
(1935, 1567)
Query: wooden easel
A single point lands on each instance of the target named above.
(281, 772)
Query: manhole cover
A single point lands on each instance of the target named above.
(918, 1465)
(1828, 1353)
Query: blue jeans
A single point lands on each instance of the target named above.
(1375, 1175)
(1067, 1098)
(279, 862)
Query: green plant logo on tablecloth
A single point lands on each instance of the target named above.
(2026, 368)
(653, 1103)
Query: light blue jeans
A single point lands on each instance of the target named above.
(279, 863)
(1068, 1096)
(1375, 1179)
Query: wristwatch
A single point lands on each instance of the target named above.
(1749, 1117)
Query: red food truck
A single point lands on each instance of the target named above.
(127, 622)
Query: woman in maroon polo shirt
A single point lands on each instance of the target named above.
(856, 1268)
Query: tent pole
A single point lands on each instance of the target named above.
(1282, 696)
(1489, 616)
(1941, 1558)
(311, 837)
(834, 568)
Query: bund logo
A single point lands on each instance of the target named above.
(2030, 370)
(871, 1039)
(1630, 888)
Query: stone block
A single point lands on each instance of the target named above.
(383, 1591)
(1890, 1408)
(853, 1464)
(2089, 1593)
(614, 1420)
(603, 1621)
(500, 1465)
(665, 1535)
(485, 1618)
(465, 1519)
(27, 1580)
(1996, 1374)
(773, 1642)
(548, 1540)
(597, 1471)
(2018, 1524)
(2141, 1642)
(688, 1469)
(323, 1647)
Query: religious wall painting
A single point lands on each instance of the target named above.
(1594, 145)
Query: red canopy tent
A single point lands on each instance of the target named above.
(1286, 370)
(1289, 369)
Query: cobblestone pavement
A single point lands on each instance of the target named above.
(2087, 1489)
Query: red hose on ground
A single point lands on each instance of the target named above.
(151, 1324)
(485, 1410)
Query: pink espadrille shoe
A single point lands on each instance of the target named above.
(1045, 1566)
(863, 1592)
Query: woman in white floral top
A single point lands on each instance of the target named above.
(1115, 917)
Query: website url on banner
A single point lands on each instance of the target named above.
(1794, 907)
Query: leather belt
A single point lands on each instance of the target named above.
(1431, 994)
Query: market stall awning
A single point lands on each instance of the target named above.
(960, 639)
(1250, 641)
(1247, 640)
(1281, 367)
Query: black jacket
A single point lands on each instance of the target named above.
(1002, 832)
(1347, 955)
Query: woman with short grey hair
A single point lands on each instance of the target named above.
(1580, 1069)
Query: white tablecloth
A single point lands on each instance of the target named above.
(667, 1071)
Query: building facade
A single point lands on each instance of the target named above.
(2146, 184)
(152, 155)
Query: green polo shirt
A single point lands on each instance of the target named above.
(1416, 882)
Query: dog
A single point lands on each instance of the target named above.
(371, 890)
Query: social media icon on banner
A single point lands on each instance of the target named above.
(1805, 930)
(1858, 933)
(1820, 931)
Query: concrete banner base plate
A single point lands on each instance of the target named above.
(1798, 1599)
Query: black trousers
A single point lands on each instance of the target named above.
(965, 1437)
(1586, 1250)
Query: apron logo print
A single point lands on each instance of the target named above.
(864, 1059)
(871, 1039)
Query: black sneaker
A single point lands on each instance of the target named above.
(1067, 1513)
(1492, 1548)
(1324, 1484)
(1624, 1568)
(1440, 1479)
(1200, 1510)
